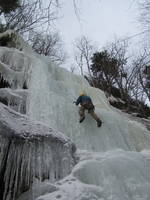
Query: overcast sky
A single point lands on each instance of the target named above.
(100, 20)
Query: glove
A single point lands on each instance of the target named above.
(74, 102)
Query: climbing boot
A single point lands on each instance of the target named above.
(99, 123)
(81, 119)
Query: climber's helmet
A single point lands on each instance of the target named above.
(82, 93)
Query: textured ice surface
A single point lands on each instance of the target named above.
(30, 150)
(14, 124)
(15, 61)
(15, 67)
(37, 189)
(52, 92)
(15, 99)
(108, 174)
(114, 175)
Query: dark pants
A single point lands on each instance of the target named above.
(91, 111)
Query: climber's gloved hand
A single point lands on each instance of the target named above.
(74, 102)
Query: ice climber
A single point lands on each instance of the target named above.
(86, 104)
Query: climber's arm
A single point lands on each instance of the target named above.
(77, 101)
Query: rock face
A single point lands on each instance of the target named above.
(30, 150)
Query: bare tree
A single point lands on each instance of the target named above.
(120, 68)
(49, 44)
(72, 68)
(142, 63)
(31, 15)
(132, 79)
(144, 6)
(79, 62)
(144, 19)
(115, 68)
(84, 51)
(25, 15)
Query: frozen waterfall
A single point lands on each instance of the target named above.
(31, 153)
(104, 172)
(36, 153)
(52, 92)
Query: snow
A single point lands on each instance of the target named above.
(38, 189)
(20, 125)
(13, 40)
(113, 175)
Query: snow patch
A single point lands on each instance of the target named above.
(113, 175)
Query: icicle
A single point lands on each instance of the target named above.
(28, 160)
(15, 67)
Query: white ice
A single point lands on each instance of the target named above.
(30, 150)
(15, 99)
(114, 175)
(108, 174)
(52, 92)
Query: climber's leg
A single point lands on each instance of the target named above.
(93, 114)
(81, 113)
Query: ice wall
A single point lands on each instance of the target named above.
(16, 60)
(52, 92)
(30, 152)
(15, 99)
(15, 67)
(103, 171)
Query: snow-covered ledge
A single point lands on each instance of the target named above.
(15, 61)
(11, 39)
(15, 99)
(29, 151)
